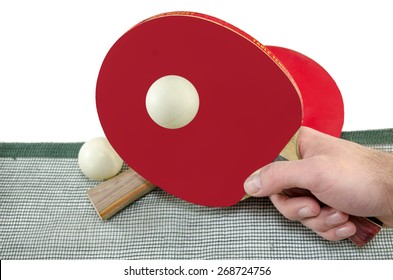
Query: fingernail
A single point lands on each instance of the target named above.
(253, 184)
(305, 213)
(333, 220)
(343, 232)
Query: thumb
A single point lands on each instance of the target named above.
(278, 176)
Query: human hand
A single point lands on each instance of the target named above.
(348, 178)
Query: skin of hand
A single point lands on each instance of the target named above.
(348, 178)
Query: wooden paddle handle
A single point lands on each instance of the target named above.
(366, 228)
(113, 195)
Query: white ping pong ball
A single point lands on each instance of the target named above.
(98, 160)
(172, 101)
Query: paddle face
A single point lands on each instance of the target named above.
(249, 107)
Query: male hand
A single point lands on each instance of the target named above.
(348, 178)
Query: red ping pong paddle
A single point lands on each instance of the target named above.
(248, 101)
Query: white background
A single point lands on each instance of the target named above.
(51, 52)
